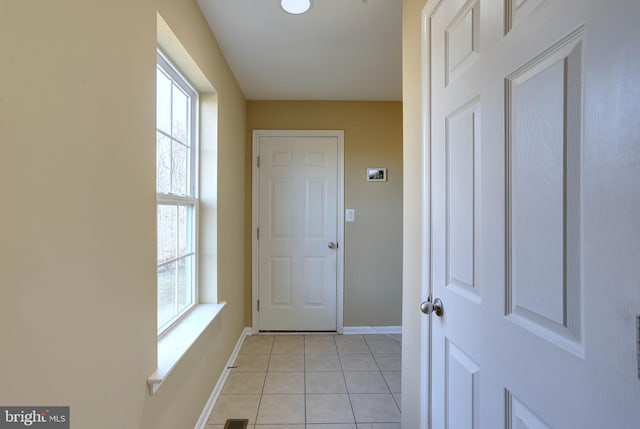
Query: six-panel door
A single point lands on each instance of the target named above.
(525, 341)
(297, 221)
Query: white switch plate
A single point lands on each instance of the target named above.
(350, 215)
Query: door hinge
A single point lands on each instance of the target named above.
(258, 233)
(258, 162)
(258, 305)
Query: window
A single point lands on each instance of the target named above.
(177, 194)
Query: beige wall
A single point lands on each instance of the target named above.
(77, 230)
(373, 243)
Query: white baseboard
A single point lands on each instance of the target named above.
(208, 408)
(349, 330)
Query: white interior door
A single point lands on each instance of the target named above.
(298, 245)
(535, 201)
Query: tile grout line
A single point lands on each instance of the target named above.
(355, 423)
(346, 386)
(382, 374)
(304, 377)
(266, 371)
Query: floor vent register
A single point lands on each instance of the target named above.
(236, 424)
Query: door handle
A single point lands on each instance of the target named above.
(428, 307)
(333, 245)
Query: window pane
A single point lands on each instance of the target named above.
(174, 184)
(167, 280)
(167, 233)
(163, 163)
(184, 231)
(180, 115)
(163, 102)
(180, 171)
(185, 280)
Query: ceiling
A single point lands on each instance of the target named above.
(338, 50)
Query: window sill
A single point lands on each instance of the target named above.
(175, 344)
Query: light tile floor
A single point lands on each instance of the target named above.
(313, 381)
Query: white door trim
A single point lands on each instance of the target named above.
(339, 134)
(426, 286)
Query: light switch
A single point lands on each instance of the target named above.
(350, 215)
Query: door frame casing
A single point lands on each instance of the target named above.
(420, 323)
(255, 198)
(426, 287)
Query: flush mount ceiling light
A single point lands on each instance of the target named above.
(295, 7)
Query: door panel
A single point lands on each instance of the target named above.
(520, 416)
(298, 218)
(543, 139)
(462, 389)
(281, 208)
(517, 11)
(462, 146)
(461, 37)
(279, 291)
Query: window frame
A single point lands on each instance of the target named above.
(191, 200)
